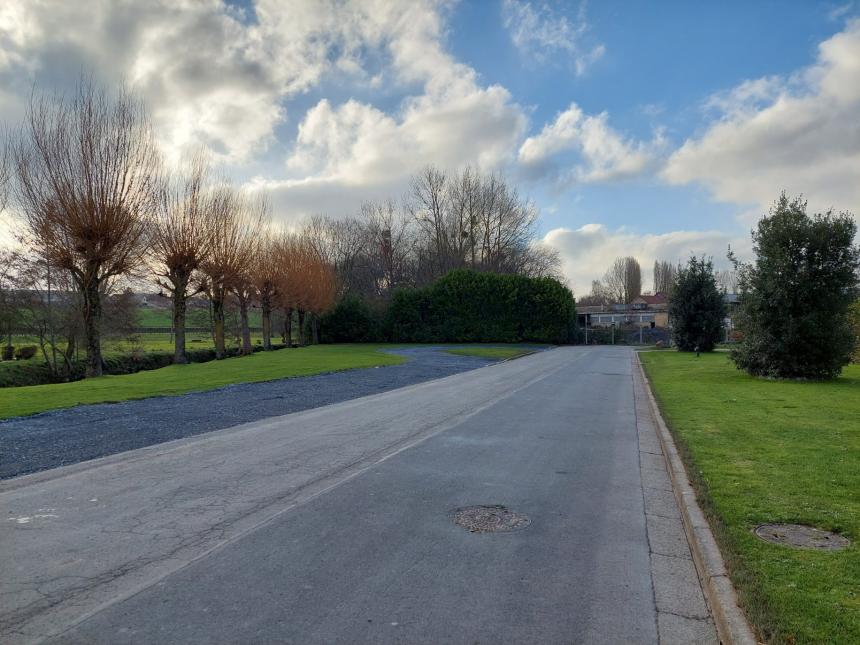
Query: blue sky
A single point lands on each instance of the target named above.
(651, 129)
(661, 63)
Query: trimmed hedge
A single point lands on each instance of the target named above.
(352, 320)
(38, 373)
(473, 307)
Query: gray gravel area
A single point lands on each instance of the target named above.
(68, 436)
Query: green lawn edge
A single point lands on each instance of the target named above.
(197, 377)
(761, 450)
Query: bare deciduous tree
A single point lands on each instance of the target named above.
(85, 176)
(664, 276)
(236, 227)
(389, 246)
(266, 275)
(5, 170)
(727, 280)
(599, 297)
(320, 289)
(427, 203)
(181, 241)
(623, 280)
(253, 218)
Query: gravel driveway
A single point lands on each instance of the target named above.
(68, 436)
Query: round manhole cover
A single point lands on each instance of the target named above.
(801, 537)
(487, 519)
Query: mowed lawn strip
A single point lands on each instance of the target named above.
(492, 353)
(762, 451)
(180, 379)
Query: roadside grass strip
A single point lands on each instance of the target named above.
(766, 451)
(197, 377)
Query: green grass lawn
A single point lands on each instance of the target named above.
(493, 353)
(179, 379)
(773, 451)
(158, 317)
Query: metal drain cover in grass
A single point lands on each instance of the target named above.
(488, 519)
(801, 537)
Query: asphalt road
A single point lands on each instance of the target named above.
(334, 525)
(68, 436)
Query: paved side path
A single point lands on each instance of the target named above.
(682, 614)
(334, 525)
(62, 437)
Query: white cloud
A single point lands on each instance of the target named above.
(801, 134)
(540, 32)
(207, 75)
(587, 252)
(600, 152)
(213, 75)
(353, 151)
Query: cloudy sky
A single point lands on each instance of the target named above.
(638, 128)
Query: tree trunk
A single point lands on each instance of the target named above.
(266, 314)
(179, 307)
(92, 323)
(218, 317)
(315, 329)
(246, 330)
(301, 327)
(288, 326)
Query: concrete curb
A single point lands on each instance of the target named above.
(731, 623)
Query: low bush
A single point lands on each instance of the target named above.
(37, 373)
(26, 352)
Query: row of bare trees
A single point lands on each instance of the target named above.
(86, 176)
(445, 221)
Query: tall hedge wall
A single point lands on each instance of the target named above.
(469, 306)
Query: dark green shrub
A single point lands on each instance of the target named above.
(349, 321)
(29, 373)
(697, 308)
(26, 352)
(795, 296)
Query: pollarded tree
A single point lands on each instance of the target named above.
(181, 241)
(86, 174)
(236, 225)
(266, 276)
(696, 309)
(254, 218)
(795, 296)
(320, 286)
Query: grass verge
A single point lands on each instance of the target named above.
(773, 451)
(180, 379)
